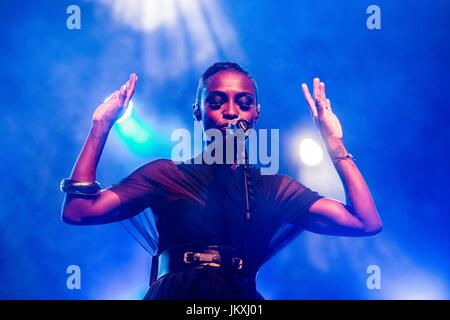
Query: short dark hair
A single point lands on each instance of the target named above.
(217, 67)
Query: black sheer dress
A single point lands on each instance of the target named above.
(204, 205)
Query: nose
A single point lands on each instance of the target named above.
(230, 111)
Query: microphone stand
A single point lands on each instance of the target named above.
(247, 217)
(244, 126)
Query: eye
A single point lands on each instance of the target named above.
(215, 101)
(245, 102)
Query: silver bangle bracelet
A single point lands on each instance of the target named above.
(80, 188)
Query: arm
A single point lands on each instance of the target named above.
(359, 217)
(106, 207)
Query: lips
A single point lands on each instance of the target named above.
(222, 126)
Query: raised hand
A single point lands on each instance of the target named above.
(320, 107)
(115, 106)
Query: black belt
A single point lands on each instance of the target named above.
(181, 258)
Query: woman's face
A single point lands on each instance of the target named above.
(228, 96)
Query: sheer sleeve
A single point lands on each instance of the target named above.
(291, 201)
(145, 188)
(148, 185)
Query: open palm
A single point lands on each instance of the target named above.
(320, 107)
(115, 106)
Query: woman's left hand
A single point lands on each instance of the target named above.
(320, 107)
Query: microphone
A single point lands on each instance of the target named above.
(243, 124)
(232, 128)
(239, 124)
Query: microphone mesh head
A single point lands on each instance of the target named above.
(243, 124)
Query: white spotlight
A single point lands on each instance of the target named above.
(311, 152)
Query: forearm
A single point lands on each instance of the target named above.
(359, 199)
(85, 167)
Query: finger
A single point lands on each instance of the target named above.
(122, 93)
(323, 97)
(131, 81)
(318, 101)
(309, 100)
(322, 91)
(329, 104)
(114, 96)
(131, 84)
(316, 87)
(133, 77)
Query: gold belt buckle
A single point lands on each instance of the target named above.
(209, 259)
(189, 257)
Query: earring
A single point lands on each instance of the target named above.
(258, 108)
(196, 112)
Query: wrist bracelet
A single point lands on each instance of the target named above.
(347, 156)
(80, 187)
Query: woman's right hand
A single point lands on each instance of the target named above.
(115, 106)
